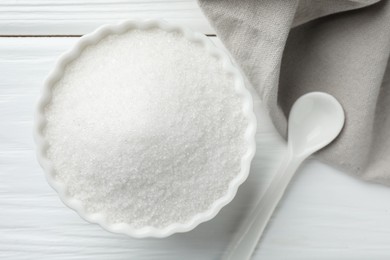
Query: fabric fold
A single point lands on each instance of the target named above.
(289, 48)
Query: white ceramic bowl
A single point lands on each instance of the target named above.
(99, 218)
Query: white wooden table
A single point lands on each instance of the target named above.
(325, 214)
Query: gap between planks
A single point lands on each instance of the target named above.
(53, 35)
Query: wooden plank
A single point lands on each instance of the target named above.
(72, 17)
(325, 214)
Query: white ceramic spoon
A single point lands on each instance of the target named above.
(315, 120)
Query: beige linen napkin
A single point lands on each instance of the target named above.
(289, 47)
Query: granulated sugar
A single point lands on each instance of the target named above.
(146, 128)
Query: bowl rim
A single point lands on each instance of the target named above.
(99, 218)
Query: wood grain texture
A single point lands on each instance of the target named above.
(324, 215)
(72, 17)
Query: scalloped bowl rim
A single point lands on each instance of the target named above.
(99, 218)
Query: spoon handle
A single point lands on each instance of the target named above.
(248, 235)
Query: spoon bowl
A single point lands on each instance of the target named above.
(315, 120)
